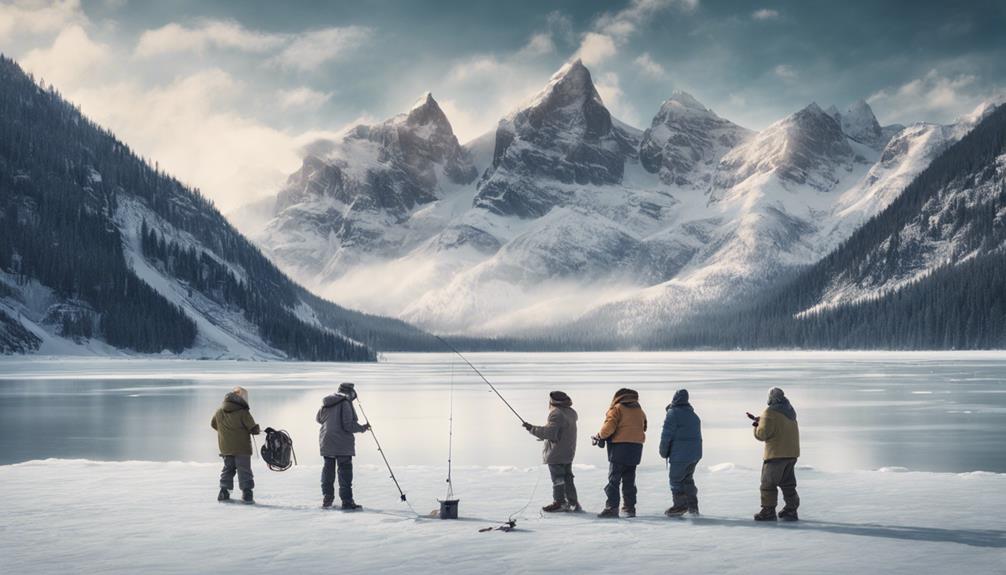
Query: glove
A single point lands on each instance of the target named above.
(270, 430)
(366, 427)
(527, 426)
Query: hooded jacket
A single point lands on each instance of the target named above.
(235, 426)
(338, 424)
(559, 432)
(778, 428)
(681, 437)
(625, 421)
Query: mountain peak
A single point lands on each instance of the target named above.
(426, 111)
(859, 123)
(686, 100)
(571, 84)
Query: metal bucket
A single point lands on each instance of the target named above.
(449, 508)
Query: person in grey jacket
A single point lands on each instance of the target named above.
(681, 446)
(338, 446)
(559, 435)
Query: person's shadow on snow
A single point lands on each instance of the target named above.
(972, 537)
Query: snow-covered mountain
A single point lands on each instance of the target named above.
(579, 217)
(101, 253)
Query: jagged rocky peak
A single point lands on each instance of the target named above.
(805, 148)
(684, 137)
(564, 135)
(859, 123)
(389, 166)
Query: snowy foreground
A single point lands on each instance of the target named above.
(75, 516)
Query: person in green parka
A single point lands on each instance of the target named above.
(235, 426)
(778, 430)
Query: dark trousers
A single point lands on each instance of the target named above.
(779, 474)
(683, 488)
(624, 475)
(241, 465)
(328, 473)
(563, 490)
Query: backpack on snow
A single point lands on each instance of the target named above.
(277, 451)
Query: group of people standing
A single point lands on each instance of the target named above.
(622, 434)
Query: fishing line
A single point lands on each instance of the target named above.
(450, 440)
(476, 370)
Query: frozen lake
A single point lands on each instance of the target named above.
(921, 411)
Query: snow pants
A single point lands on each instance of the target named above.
(620, 474)
(563, 490)
(779, 474)
(241, 465)
(683, 488)
(345, 473)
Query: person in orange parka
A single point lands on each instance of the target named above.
(623, 433)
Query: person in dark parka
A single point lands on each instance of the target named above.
(681, 446)
(623, 434)
(338, 445)
(559, 435)
(235, 426)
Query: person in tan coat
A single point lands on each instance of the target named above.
(778, 429)
(235, 425)
(623, 433)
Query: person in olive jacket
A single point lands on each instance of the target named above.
(338, 445)
(559, 435)
(235, 426)
(777, 427)
(681, 446)
(623, 433)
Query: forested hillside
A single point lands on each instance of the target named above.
(97, 244)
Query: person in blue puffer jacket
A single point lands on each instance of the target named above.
(681, 446)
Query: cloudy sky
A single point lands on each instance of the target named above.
(224, 94)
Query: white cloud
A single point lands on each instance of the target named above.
(934, 97)
(596, 48)
(785, 72)
(302, 98)
(539, 44)
(610, 88)
(765, 14)
(475, 67)
(649, 67)
(72, 56)
(622, 24)
(174, 38)
(613, 29)
(34, 17)
(310, 50)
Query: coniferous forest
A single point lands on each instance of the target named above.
(62, 179)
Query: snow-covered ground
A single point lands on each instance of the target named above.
(75, 516)
(865, 418)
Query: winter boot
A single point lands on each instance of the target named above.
(246, 496)
(351, 506)
(693, 505)
(629, 511)
(554, 507)
(766, 514)
(609, 512)
(326, 503)
(224, 495)
(788, 514)
(676, 511)
(679, 508)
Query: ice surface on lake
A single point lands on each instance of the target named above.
(144, 517)
(856, 410)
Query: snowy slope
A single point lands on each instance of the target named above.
(121, 519)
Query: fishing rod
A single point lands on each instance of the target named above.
(370, 428)
(476, 370)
